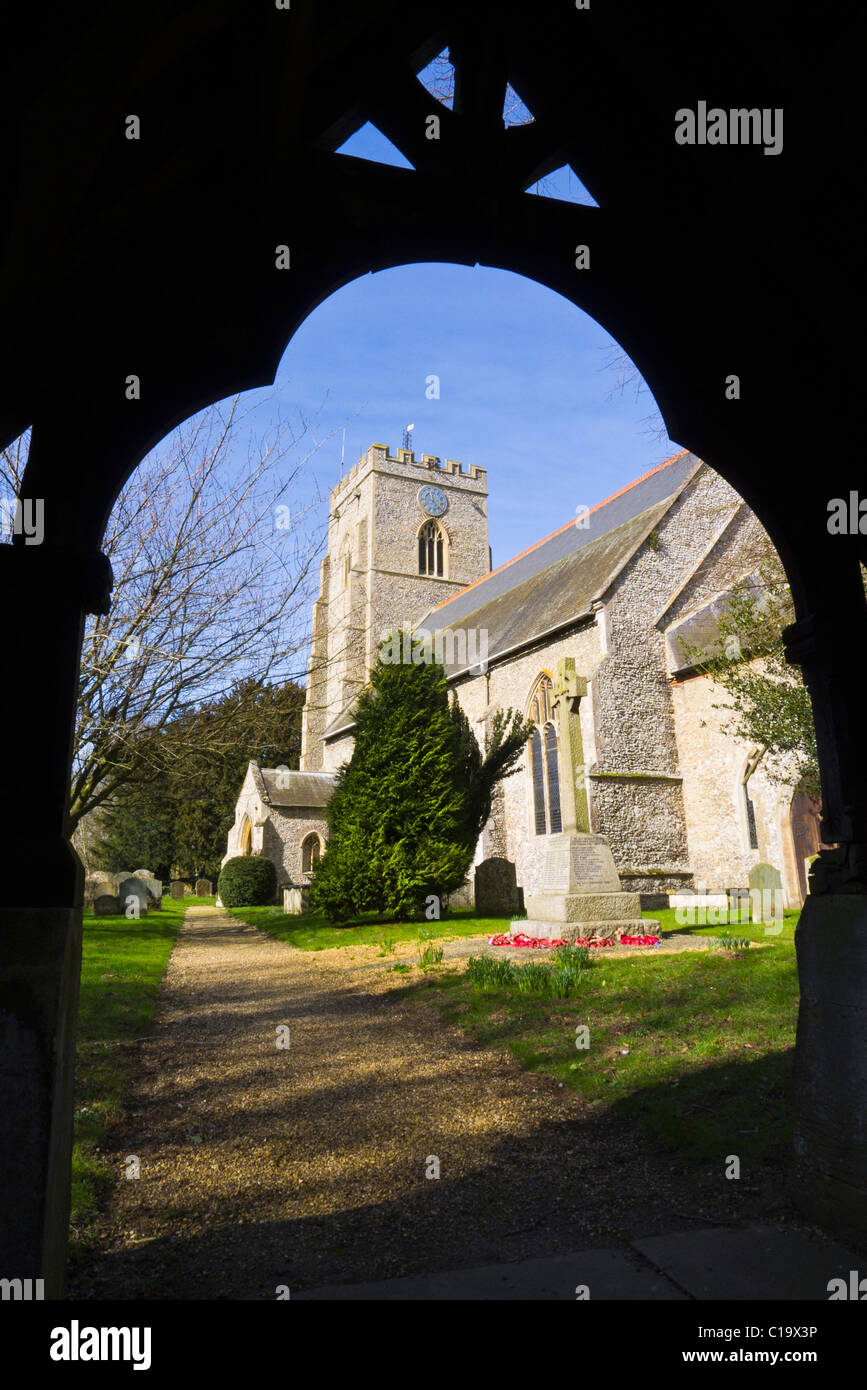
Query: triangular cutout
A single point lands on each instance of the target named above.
(438, 78)
(564, 185)
(514, 110)
(370, 143)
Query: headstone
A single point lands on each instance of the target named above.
(95, 885)
(294, 900)
(178, 888)
(154, 887)
(496, 886)
(106, 905)
(766, 893)
(188, 890)
(204, 888)
(133, 888)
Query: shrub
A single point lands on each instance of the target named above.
(408, 807)
(247, 881)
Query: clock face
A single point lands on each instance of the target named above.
(433, 501)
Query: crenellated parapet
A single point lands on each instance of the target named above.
(379, 456)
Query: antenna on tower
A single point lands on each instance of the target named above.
(342, 450)
(407, 437)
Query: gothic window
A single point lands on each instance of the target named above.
(751, 820)
(553, 771)
(430, 550)
(346, 567)
(545, 767)
(538, 782)
(749, 808)
(311, 852)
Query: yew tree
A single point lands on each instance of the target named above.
(408, 807)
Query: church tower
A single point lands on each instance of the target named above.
(403, 535)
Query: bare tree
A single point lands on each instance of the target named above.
(628, 375)
(439, 79)
(212, 543)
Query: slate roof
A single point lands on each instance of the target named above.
(283, 788)
(661, 484)
(700, 629)
(556, 581)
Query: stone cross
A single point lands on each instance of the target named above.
(569, 688)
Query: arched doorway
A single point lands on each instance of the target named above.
(685, 307)
(245, 836)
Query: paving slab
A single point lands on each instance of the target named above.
(755, 1263)
(607, 1274)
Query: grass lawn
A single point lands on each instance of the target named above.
(123, 963)
(668, 923)
(695, 1048)
(311, 932)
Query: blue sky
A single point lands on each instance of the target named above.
(524, 390)
(527, 386)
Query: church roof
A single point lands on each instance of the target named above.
(554, 598)
(285, 788)
(556, 581)
(661, 484)
(696, 637)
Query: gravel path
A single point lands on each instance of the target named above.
(306, 1165)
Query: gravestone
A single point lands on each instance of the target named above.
(204, 888)
(766, 893)
(133, 888)
(106, 905)
(294, 900)
(496, 886)
(95, 885)
(154, 887)
(178, 888)
(188, 890)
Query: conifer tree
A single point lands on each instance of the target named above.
(407, 809)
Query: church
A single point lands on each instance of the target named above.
(591, 624)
